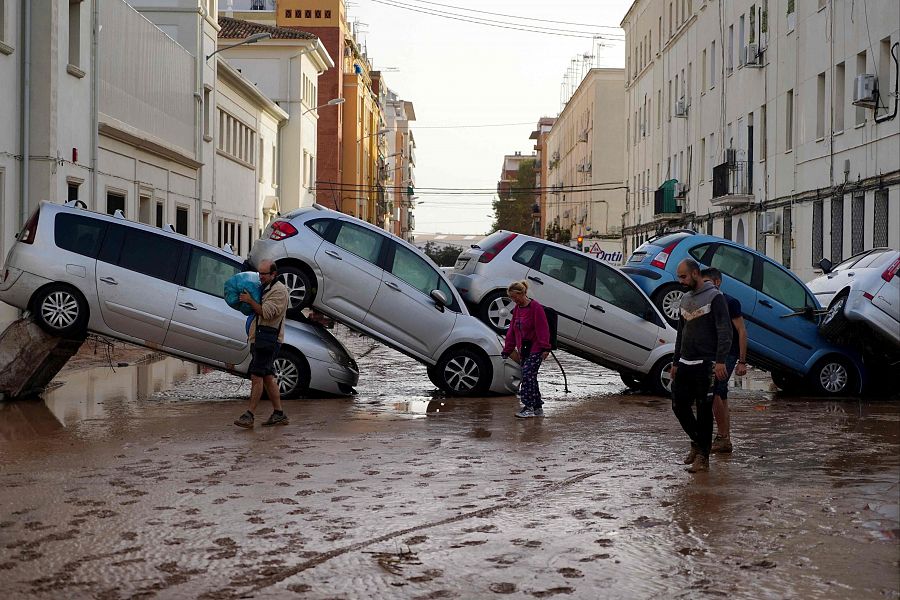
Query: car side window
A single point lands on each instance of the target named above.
(783, 288)
(697, 252)
(79, 234)
(413, 270)
(614, 288)
(526, 253)
(208, 273)
(565, 266)
(320, 226)
(151, 254)
(360, 241)
(733, 262)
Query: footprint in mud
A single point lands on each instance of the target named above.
(645, 522)
(300, 588)
(603, 515)
(594, 557)
(553, 592)
(570, 573)
(503, 588)
(504, 559)
(416, 539)
(605, 542)
(280, 501)
(437, 595)
(129, 535)
(426, 576)
(469, 543)
(481, 529)
(303, 475)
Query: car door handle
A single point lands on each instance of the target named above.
(766, 303)
(392, 285)
(536, 279)
(333, 254)
(109, 280)
(187, 305)
(598, 307)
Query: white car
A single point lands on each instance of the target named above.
(378, 284)
(865, 289)
(604, 316)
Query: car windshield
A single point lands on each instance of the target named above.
(876, 259)
(490, 241)
(666, 239)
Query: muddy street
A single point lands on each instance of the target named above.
(133, 483)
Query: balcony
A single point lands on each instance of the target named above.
(665, 206)
(246, 5)
(732, 184)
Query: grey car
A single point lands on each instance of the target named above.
(378, 284)
(80, 271)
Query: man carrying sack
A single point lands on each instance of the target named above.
(266, 335)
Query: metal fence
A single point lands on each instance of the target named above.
(731, 179)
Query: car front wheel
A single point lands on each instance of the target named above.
(660, 378)
(496, 310)
(832, 376)
(668, 301)
(61, 310)
(462, 372)
(300, 286)
(835, 324)
(291, 373)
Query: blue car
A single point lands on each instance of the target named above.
(781, 314)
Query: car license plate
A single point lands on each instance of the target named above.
(461, 263)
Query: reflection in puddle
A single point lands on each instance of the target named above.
(83, 395)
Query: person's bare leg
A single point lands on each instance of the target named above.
(723, 420)
(273, 391)
(256, 389)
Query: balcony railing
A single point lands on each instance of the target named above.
(246, 5)
(665, 206)
(731, 184)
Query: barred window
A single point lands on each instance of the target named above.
(727, 233)
(837, 229)
(786, 238)
(236, 139)
(857, 223)
(880, 232)
(760, 236)
(818, 251)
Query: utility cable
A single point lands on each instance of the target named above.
(485, 12)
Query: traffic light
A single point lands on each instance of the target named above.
(580, 240)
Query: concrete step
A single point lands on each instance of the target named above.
(30, 358)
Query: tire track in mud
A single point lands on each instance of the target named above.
(275, 578)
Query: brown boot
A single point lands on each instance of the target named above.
(721, 445)
(695, 450)
(700, 464)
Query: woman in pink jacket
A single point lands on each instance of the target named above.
(528, 343)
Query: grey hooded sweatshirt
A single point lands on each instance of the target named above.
(704, 328)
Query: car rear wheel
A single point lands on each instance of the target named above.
(61, 310)
(835, 324)
(633, 382)
(832, 376)
(291, 373)
(668, 301)
(463, 372)
(300, 286)
(496, 310)
(786, 382)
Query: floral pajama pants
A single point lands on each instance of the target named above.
(528, 390)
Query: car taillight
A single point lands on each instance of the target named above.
(29, 232)
(282, 230)
(868, 296)
(659, 261)
(488, 255)
(891, 271)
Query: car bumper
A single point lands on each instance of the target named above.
(507, 376)
(266, 249)
(473, 287)
(330, 378)
(19, 286)
(860, 308)
(648, 278)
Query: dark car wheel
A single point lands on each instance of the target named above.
(496, 310)
(634, 382)
(434, 377)
(786, 382)
(835, 324)
(462, 372)
(660, 378)
(832, 376)
(300, 286)
(291, 373)
(61, 310)
(668, 300)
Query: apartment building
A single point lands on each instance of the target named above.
(586, 193)
(400, 164)
(756, 120)
(539, 135)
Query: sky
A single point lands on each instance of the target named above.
(462, 76)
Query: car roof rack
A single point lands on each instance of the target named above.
(76, 204)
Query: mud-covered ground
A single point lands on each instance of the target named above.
(133, 483)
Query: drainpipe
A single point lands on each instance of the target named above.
(26, 113)
(95, 97)
(198, 137)
(893, 114)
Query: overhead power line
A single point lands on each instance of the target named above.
(485, 12)
(600, 186)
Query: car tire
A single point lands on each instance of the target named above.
(300, 285)
(660, 378)
(463, 372)
(61, 310)
(835, 324)
(832, 376)
(667, 299)
(790, 384)
(291, 373)
(633, 382)
(434, 377)
(496, 310)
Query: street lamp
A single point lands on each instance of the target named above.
(379, 132)
(263, 35)
(332, 102)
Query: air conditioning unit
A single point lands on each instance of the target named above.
(752, 56)
(865, 87)
(771, 224)
(681, 108)
(731, 156)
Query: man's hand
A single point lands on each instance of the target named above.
(245, 297)
(740, 369)
(674, 370)
(721, 372)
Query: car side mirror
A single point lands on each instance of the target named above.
(826, 265)
(440, 299)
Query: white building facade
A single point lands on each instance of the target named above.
(400, 165)
(740, 122)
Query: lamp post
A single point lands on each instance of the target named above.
(332, 102)
(263, 35)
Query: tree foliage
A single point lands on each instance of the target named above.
(514, 213)
(557, 234)
(443, 256)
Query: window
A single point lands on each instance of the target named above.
(857, 222)
(360, 241)
(734, 262)
(885, 70)
(327, 14)
(658, 108)
(880, 231)
(236, 139)
(207, 113)
(411, 268)
(837, 229)
(786, 237)
(261, 161)
(318, 14)
(712, 65)
(697, 252)
(789, 121)
(79, 234)
(614, 288)
(729, 63)
(860, 69)
(524, 255)
(741, 40)
(229, 232)
(763, 135)
(703, 71)
(820, 106)
(150, 254)
(838, 105)
(159, 214)
(781, 287)
(181, 220)
(702, 159)
(564, 266)
(115, 201)
(726, 233)
(144, 208)
(3, 22)
(320, 226)
(71, 187)
(307, 14)
(817, 233)
(75, 33)
(208, 272)
(712, 154)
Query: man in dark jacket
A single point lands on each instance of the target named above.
(702, 344)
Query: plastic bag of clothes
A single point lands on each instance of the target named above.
(248, 281)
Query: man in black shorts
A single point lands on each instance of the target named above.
(736, 362)
(266, 337)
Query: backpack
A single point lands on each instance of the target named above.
(552, 318)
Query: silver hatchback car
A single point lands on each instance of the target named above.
(80, 271)
(378, 284)
(603, 316)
